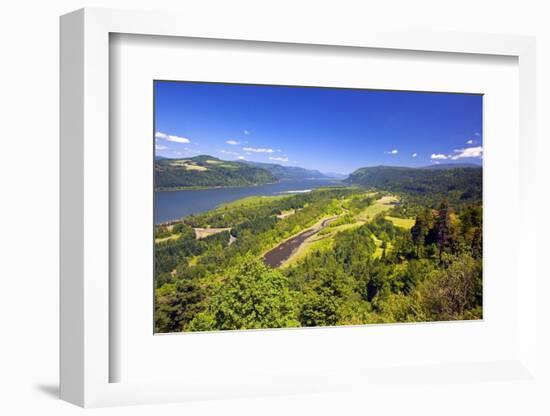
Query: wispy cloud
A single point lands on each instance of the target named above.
(160, 147)
(258, 150)
(232, 142)
(241, 158)
(471, 141)
(227, 152)
(414, 155)
(171, 138)
(246, 132)
(279, 159)
(469, 152)
(392, 152)
(477, 134)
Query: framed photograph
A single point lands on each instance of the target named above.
(275, 212)
(286, 206)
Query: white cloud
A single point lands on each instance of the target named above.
(160, 147)
(171, 138)
(469, 152)
(392, 152)
(246, 132)
(232, 142)
(414, 155)
(470, 141)
(477, 134)
(241, 157)
(178, 139)
(257, 150)
(279, 159)
(229, 153)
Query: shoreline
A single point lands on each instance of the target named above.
(200, 188)
(253, 193)
(203, 188)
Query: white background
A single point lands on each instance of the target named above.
(29, 208)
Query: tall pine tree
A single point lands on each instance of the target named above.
(443, 227)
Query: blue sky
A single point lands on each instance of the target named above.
(329, 129)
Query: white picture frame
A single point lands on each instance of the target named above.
(85, 203)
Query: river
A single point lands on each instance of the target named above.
(172, 205)
(277, 256)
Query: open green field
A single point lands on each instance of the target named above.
(174, 236)
(406, 223)
(252, 201)
(381, 205)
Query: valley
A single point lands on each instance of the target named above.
(370, 249)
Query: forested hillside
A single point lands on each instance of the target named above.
(460, 185)
(207, 171)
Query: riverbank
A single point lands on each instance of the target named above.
(296, 247)
(278, 255)
(199, 188)
(175, 204)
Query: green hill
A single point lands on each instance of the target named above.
(460, 183)
(207, 171)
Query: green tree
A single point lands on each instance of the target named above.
(253, 297)
(443, 227)
(330, 295)
(176, 304)
(448, 294)
(420, 230)
(477, 244)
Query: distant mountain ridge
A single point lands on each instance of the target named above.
(205, 171)
(336, 175)
(450, 166)
(289, 172)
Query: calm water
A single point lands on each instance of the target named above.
(171, 205)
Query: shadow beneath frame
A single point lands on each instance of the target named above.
(51, 390)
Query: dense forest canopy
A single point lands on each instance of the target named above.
(465, 181)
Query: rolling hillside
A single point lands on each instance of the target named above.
(207, 171)
(463, 183)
